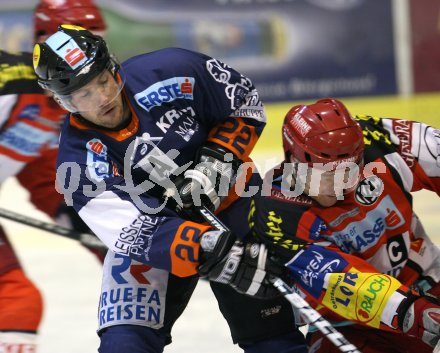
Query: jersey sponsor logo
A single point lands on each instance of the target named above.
(343, 216)
(187, 126)
(26, 140)
(166, 91)
(170, 117)
(96, 146)
(256, 113)
(137, 238)
(340, 290)
(253, 108)
(317, 265)
(129, 296)
(311, 265)
(127, 304)
(359, 296)
(375, 289)
(369, 190)
(403, 130)
(125, 271)
(362, 235)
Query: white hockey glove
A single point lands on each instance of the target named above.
(244, 266)
(422, 319)
(208, 183)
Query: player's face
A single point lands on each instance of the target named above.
(328, 187)
(100, 101)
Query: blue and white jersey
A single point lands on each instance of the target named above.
(179, 100)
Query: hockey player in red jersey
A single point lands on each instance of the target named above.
(338, 213)
(30, 122)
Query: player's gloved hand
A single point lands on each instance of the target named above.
(67, 217)
(244, 266)
(422, 320)
(208, 183)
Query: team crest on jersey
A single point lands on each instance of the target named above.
(369, 190)
(98, 165)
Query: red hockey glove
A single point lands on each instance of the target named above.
(422, 320)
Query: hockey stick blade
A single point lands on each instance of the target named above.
(84, 238)
(310, 315)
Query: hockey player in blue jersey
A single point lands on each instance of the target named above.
(171, 123)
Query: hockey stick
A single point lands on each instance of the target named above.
(310, 315)
(84, 238)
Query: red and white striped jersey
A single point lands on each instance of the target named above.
(29, 131)
(358, 257)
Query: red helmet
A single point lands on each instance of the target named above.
(322, 132)
(49, 14)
